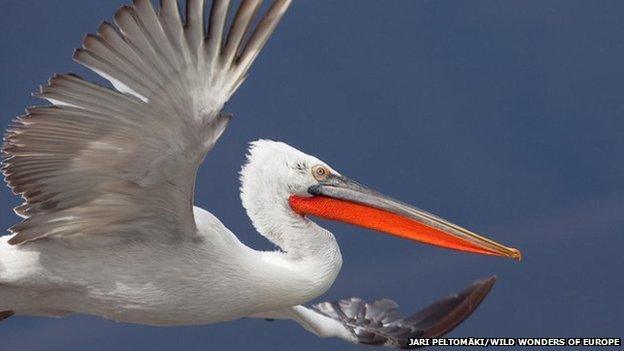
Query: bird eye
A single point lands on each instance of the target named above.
(319, 172)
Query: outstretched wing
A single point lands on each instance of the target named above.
(109, 164)
(379, 323)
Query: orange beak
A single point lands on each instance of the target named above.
(341, 199)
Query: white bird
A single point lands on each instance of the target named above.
(107, 175)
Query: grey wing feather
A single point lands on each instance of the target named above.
(122, 161)
(379, 322)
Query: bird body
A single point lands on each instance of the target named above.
(107, 176)
(213, 278)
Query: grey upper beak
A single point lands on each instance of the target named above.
(343, 188)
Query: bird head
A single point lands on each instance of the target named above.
(279, 177)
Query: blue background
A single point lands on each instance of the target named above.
(503, 116)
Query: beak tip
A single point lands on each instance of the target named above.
(515, 254)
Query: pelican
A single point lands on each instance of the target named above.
(109, 226)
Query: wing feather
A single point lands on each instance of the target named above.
(119, 164)
(241, 22)
(379, 322)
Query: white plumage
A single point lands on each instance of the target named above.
(108, 175)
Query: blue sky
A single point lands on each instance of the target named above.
(506, 117)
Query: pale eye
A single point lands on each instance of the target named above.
(320, 172)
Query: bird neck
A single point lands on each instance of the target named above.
(295, 235)
(309, 259)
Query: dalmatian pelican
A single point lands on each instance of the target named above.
(107, 176)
